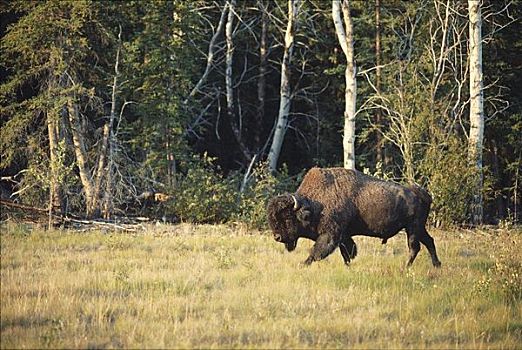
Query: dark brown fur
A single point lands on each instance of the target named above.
(331, 205)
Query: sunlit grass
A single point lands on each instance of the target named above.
(223, 287)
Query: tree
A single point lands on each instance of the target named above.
(90, 120)
(502, 141)
(476, 110)
(261, 82)
(210, 55)
(228, 80)
(47, 61)
(345, 36)
(105, 167)
(381, 156)
(156, 71)
(285, 100)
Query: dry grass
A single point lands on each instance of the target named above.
(220, 287)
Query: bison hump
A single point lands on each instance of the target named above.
(328, 182)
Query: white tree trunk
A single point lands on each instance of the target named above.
(236, 129)
(55, 193)
(284, 103)
(229, 59)
(81, 155)
(345, 36)
(104, 168)
(210, 55)
(261, 83)
(108, 145)
(476, 132)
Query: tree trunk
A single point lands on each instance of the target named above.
(210, 55)
(284, 92)
(81, 156)
(379, 141)
(229, 61)
(102, 160)
(108, 205)
(106, 160)
(345, 36)
(55, 193)
(261, 83)
(476, 132)
(228, 81)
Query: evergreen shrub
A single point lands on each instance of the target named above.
(203, 195)
(262, 186)
(451, 183)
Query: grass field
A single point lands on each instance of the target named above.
(191, 286)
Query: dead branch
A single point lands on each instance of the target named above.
(128, 224)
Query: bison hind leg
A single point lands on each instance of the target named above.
(427, 240)
(348, 249)
(417, 234)
(413, 244)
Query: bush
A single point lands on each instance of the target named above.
(203, 195)
(451, 183)
(261, 187)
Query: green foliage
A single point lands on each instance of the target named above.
(450, 182)
(157, 64)
(51, 50)
(262, 186)
(202, 194)
(49, 44)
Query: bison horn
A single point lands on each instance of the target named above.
(296, 202)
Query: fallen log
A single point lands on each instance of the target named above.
(22, 206)
(129, 224)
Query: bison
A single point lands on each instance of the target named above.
(333, 204)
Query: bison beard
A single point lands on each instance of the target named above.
(332, 205)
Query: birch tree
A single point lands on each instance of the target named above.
(261, 83)
(80, 152)
(380, 147)
(284, 91)
(476, 110)
(345, 37)
(106, 156)
(212, 47)
(229, 61)
(53, 132)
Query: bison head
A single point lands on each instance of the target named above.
(287, 216)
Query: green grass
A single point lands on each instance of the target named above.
(191, 286)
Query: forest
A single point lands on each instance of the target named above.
(142, 140)
(200, 111)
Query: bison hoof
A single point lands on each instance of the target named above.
(307, 262)
(437, 264)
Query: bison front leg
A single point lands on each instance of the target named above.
(324, 246)
(348, 249)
